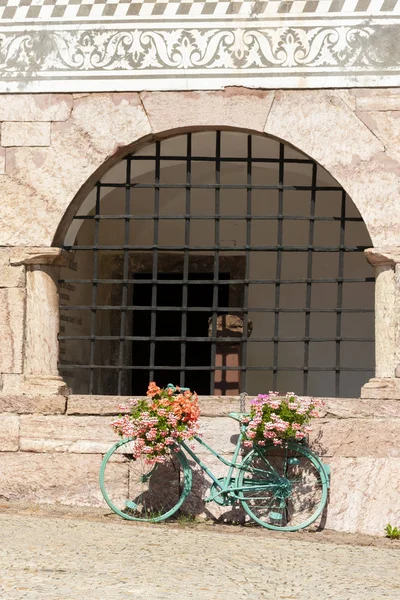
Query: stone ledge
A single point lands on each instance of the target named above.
(221, 406)
(51, 405)
(211, 406)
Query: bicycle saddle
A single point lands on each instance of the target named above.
(237, 415)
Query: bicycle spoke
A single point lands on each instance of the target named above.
(138, 491)
(289, 492)
(264, 459)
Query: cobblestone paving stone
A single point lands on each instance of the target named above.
(70, 558)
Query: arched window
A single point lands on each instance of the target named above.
(220, 261)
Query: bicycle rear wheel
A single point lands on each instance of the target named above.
(140, 492)
(283, 488)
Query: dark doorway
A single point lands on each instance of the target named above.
(167, 324)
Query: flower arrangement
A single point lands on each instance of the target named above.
(275, 418)
(159, 422)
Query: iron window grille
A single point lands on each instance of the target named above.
(130, 348)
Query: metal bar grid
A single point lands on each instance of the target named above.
(278, 265)
(94, 288)
(309, 276)
(340, 294)
(157, 175)
(185, 285)
(185, 277)
(214, 315)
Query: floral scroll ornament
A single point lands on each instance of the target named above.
(286, 48)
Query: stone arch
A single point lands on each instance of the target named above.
(104, 127)
(80, 236)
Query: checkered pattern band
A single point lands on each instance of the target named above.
(48, 10)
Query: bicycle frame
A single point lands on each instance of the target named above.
(225, 486)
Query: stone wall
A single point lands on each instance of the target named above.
(53, 148)
(51, 450)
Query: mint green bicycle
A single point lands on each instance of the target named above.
(283, 488)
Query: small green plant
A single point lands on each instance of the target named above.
(186, 519)
(392, 532)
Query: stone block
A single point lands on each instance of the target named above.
(382, 387)
(210, 406)
(25, 134)
(220, 433)
(386, 126)
(2, 161)
(329, 113)
(20, 404)
(35, 107)
(11, 384)
(12, 310)
(19, 226)
(377, 99)
(348, 408)
(69, 479)
(238, 107)
(126, 120)
(355, 156)
(9, 432)
(10, 276)
(82, 435)
(352, 438)
(364, 494)
(79, 147)
(94, 405)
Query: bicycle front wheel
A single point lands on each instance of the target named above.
(140, 492)
(283, 488)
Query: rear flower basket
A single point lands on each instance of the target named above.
(275, 418)
(159, 422)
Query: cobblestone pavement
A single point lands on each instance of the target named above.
(70, 557)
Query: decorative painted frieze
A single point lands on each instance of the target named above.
(57, 45)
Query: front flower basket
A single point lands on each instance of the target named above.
(159, 422)
(276, 418)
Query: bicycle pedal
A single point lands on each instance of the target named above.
(275, 516)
